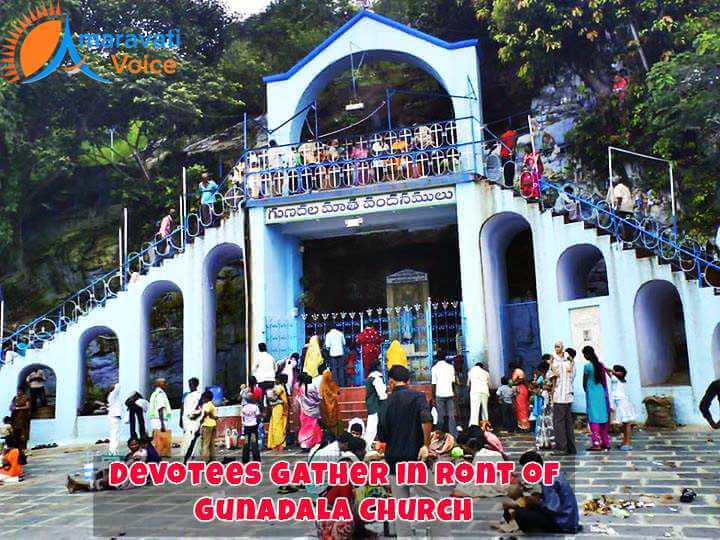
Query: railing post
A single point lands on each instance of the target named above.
(428, 331)
(388, 98)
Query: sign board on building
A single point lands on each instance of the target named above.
(365, 204)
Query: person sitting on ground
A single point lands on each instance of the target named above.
(136, 452)
(152, 455)
(12, 462)
(553, 510)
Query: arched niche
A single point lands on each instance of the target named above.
(99, 370)
(44, 405)
(225, 336)
(660, 333)
(581, 273)
(162, 333)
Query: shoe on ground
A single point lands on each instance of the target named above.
(626, 447)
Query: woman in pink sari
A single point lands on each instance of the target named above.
(522, 396)
(310, 432)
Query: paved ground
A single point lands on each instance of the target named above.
(659, 467)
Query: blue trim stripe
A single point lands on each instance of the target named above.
(379, 18)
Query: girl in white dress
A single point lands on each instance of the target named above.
(622, 409)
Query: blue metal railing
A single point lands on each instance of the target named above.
(639, 232)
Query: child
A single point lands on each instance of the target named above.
(5, 431)
(505, 398)
(250, 419)
(622, 408)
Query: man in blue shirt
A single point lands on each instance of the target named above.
(208, 188)
(555, 510)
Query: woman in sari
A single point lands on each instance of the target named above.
(598, 402)
(279, 417)
(313, 357)
(395, 356)
(20, 418)
(522, 397)
(310, 433)
(329, 406)
(544, 432)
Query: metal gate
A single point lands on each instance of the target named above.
(424, 330)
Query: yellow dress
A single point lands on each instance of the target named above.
(313, 357)
(278, 419)
(395, 356)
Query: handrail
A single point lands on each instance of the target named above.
(662, 242)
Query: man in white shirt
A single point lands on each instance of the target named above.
(562, 373)
(620, 198)
(443, 377)
(375, 396)
(479, 383)
(190, 418)
(264, 369)
(114, 406)
(335, 345)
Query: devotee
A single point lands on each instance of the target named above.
(553, 510)
(288, 369)
(562, 375)
(505, 395)
(521, 396)
(114, 408)
(597, 399)
(313, 357)
(622, 408)
(207, 189)
(483, 449)
(335, 345)
(250, 419)
(264, 368)
(711, 393)
(369, 340)
(479, 383)
(329, 406)
(544, 433)
(12, 468)
(160, 413)
(36, 383)
(443, 378)
(137, 406)
(375, 396)
(395, 356)
(279, 416)
(20, 415)
(251, 389)
(405, 428)
(208, 427)
(310, 433)
(190, 419)
(620, 199)
(137, 452)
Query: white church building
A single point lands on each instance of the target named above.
(502, 277)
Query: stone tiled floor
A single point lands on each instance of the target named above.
(660, 466)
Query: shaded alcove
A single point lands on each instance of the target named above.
(660, 332)
(510, 292)
(162, 318)
(99, 369)
(225, 345)
(581, 273)
(47, 411)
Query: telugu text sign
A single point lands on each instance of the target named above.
(360, 205)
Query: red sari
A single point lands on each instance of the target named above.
(521, 399)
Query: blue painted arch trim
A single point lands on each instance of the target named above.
(352, 22)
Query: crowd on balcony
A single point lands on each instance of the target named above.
(321, 165)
